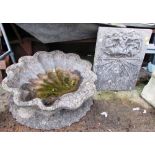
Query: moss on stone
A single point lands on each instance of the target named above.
(140, 87)
(55, 83)
(127, 97)
(105, 95)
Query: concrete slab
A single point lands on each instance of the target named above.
(118, 57)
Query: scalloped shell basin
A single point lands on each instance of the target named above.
(28, 67)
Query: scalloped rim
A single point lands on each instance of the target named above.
(86, 89)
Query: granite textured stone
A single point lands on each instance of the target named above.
(118, 57)
(46, 120)
(3, 99)
(148, 92)
(32, 111)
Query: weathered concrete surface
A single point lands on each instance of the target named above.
(148, 92)
(58, 32)
(118, 57)
(38, 119)
(28, 68)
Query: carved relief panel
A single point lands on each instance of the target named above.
(118, 57)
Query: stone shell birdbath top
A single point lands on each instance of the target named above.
(49, 82)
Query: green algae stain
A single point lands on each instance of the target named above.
(54, 84)
(140, 87)
(105, 95)
(121, 96)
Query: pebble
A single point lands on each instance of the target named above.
(136, 109)
(144, 112)
(105, 114)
